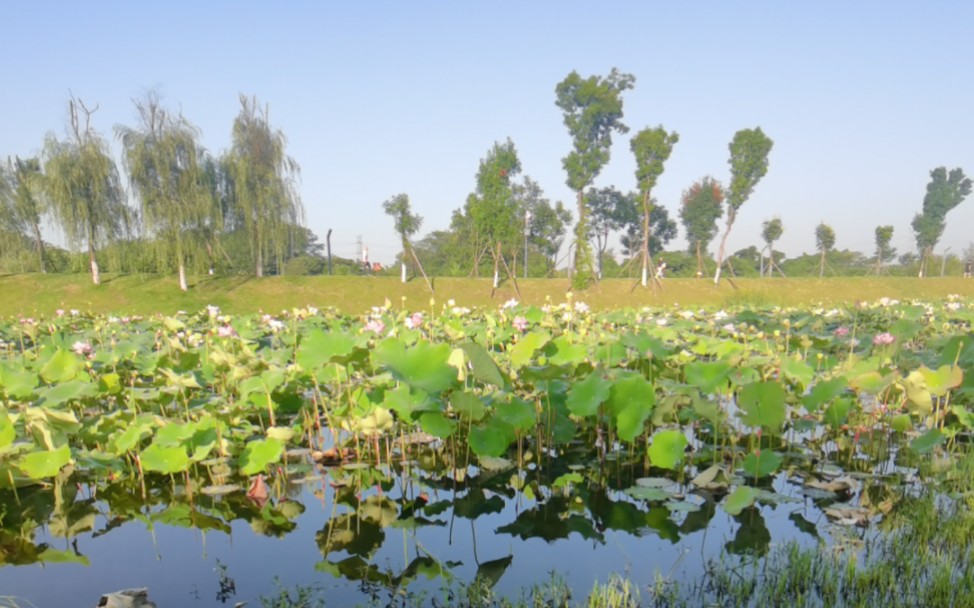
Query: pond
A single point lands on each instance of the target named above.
(216, 459)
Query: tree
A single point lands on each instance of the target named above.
(652, 148)
(610, 210)
(22, 191)
(407, 224)
(749, 163)
(944, 192)
(492, 213)
(261, 177)
(167, 172)
(83, 186)
(884, 234)
(824, 242)
(547, 223)
(771, 231)
(662, 230)
(592, 110)
(699, 213)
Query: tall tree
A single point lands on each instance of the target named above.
(749, 163)
(592, 110)
(700, 211)
(652, 148)
(265, 203)
(944, 192)
(168, 174)
(884, 234)
(407, 224)
(24, 203)
(771, 231)
(83, 186)
(610, 210)
(824, 242)
(493, 215)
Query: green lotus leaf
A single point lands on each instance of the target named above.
(741, 498)
(319, 347)
(631, 401)
(823, 392)
(924, 444)
(61, 367)
(667, 449)
(518, 413)
(946, 377)
(17, 383)
(761, 463)
(482, 365)
(763, 404)
(708, 376)
(164, 459)
(437, 425)
(423, 366)
(586, 396)
(467, 405)
(491, 438)
(258, 454)
(523, 350)
(564, 351)
(797, 371)
(44, 463)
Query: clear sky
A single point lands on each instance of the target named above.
(862, 99)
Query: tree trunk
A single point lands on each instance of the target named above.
(699, 260)
(40, 248)
(723, 245)
(182, 276)
(647, 207)
(497, 266)
(95, 275)
(821, 265)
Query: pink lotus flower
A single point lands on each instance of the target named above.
(884, 339)
(225, 331)
(414, 320)
(375, 325)
(82, 348)
(841, 332)
(520, 323)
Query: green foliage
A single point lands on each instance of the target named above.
(592, 109)
(83, 186)
(699, 212)
(749, 163)
(263, 202)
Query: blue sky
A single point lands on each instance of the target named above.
(862, 99)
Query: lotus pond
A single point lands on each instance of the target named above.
(384, 458)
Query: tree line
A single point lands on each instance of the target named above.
(240, 211)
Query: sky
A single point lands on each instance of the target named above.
(862, 99)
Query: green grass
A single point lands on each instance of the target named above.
(37, 294)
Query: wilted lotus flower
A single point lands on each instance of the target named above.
(82, 348)
(841, 332)
(884, 339)
(520, 323)
(376, 326)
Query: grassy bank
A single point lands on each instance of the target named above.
(35, 294)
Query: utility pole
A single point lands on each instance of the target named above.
(527, 232)
(328, 241)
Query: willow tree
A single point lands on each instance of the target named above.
(592, 112)
(23, 205)
(83, 186)
(824, 242)
(771, 231)
(165, 167)
(652, 148)
(699, 214)
(265, 205)
(749, 163)
(407, 224)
